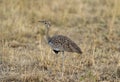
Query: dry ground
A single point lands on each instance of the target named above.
(93, 24)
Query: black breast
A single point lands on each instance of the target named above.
(56, 52)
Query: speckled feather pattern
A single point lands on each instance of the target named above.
(63, 43)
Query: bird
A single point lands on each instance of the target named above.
(60, 43)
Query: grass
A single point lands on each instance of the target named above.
(94, 25)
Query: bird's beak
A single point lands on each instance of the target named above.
(41, 21)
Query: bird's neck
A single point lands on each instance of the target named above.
(47, 35)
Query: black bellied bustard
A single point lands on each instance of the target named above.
(60, 43)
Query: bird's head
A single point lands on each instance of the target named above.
(46, 23)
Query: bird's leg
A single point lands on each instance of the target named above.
(63, 63)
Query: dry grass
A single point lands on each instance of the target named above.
(93, 24)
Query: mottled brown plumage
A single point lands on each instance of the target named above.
(60, 43)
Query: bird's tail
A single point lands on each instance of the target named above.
(79, 51)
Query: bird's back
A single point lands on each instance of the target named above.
(63, 43)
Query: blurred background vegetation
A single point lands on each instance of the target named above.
(93, 24)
